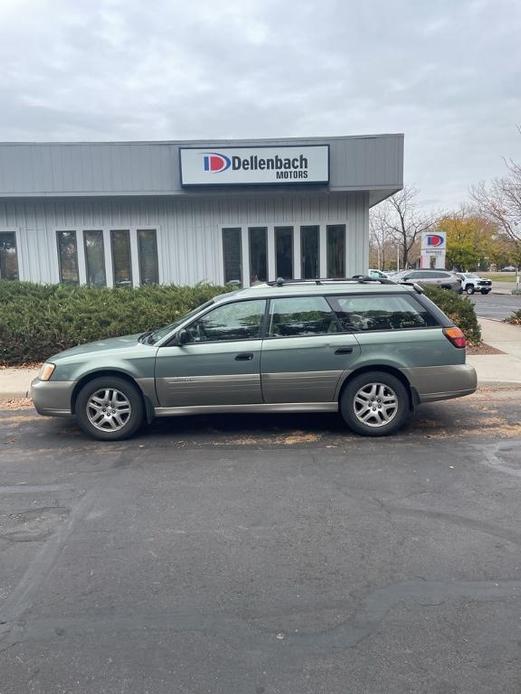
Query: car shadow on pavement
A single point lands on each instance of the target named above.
(490, 412)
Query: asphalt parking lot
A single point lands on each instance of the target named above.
(496, 306)
(264, 555)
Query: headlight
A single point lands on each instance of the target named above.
(46, 371)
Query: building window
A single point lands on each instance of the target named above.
(336, 250)
(232, 255)
(121, 259)
(310, 252)
(68, 257)
(258, 254)
(147, 253)
(284, 252)
(8, 256)
(95, 258)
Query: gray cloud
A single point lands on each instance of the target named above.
(447, 74)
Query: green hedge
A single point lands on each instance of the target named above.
(39, 320)
(459, 309)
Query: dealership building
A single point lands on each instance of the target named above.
(132, 213)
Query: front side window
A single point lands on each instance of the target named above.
(306, 315)
(310, 252)
(147, 254)
(121, 260)
(68, 257)
(8, 256)
(365, 313)
(241, 320)
(258, 254)
(95, 258)
(336, 250)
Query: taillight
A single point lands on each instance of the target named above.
(456, 336)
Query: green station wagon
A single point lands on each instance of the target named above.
(372, 350)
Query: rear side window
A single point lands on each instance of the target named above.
(383, 312)
(306, 315)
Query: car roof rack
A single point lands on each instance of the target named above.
(360, 279)
(281, 281)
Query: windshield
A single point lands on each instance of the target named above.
(150, 338)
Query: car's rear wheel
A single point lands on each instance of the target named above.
(375, 404)
(109, 408)
(469, 289)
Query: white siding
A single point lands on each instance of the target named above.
(188, 229)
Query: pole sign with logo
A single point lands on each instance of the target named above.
(254, 165)
(433, 249)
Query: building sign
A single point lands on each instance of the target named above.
(433, 249)
(434, 242)
(254, 165)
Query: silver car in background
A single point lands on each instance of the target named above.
(437, 278)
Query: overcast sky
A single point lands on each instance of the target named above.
(447, 73)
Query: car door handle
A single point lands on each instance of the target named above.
(344, 350)
(244, 356)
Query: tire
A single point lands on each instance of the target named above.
(109, 408)
(358, 391)
(485, 291)
(469, 289)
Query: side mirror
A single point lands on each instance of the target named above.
(182, 337)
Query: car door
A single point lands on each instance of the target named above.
(303, 354)
(220, 364)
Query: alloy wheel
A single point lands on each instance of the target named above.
(108, 409)
(375, 404)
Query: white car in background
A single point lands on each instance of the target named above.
(470, 283)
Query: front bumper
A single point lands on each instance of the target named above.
(52, 398)
(442, 382)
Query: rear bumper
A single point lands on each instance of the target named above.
(442, 382)
(52, 398)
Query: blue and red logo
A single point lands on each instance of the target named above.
(213, 162)
(435, 240)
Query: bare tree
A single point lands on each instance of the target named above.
(400, 218)
(378, 235)
(500, 201)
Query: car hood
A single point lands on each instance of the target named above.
(111, 343)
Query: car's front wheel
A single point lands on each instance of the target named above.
(485, 291)
(469, 289)
(109, 408)
(375, 404)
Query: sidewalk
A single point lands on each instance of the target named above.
(495, 368)
(15, 383)
(491, 368)
(503, 287)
